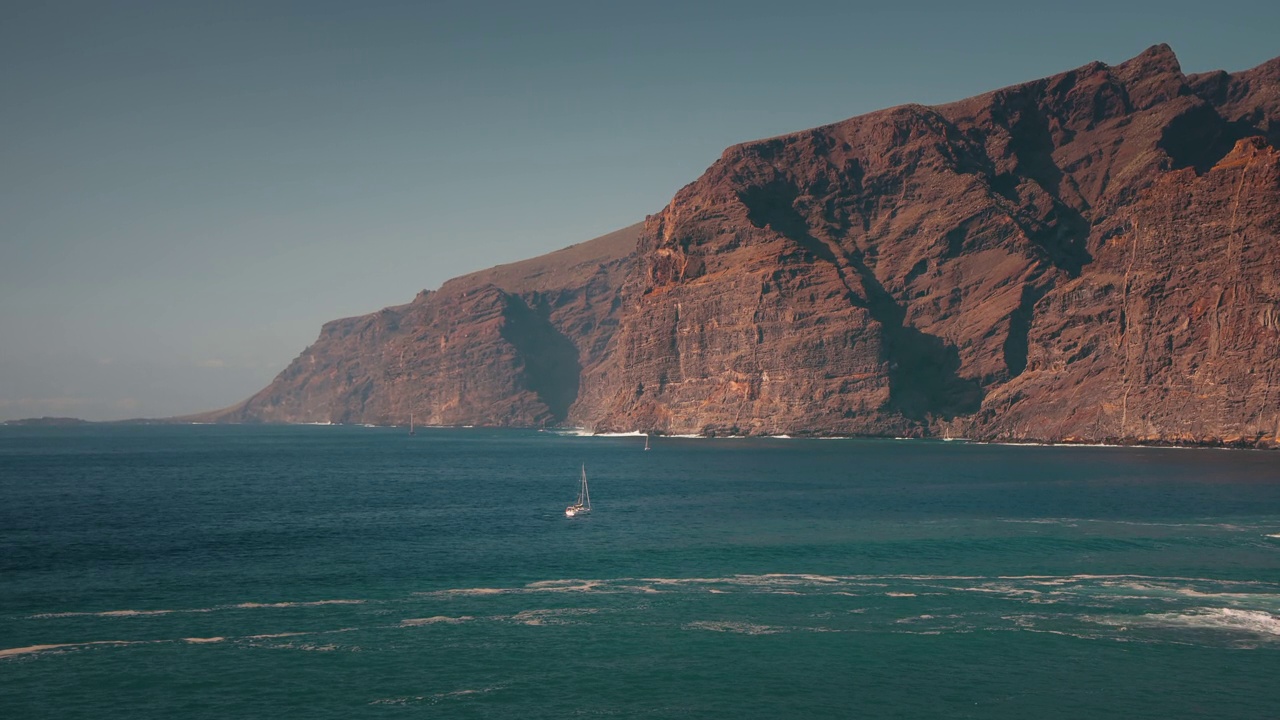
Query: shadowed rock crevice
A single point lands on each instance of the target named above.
(1016, 344)
(1031, 143)
(773, 206)
(551, 368)
(1063, 236)
(924, 370)
(1199, 138)
(924, 378)
(1062, 233)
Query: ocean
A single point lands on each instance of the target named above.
(352, 572)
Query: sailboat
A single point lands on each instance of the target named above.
(411, 424)
(646, 441)
(583, 506)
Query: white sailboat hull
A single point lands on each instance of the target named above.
(583, 506)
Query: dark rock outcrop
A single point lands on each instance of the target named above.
(1088, 257)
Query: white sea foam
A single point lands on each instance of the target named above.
(1089, 577)
(190, 640)
(146, 613)
(436, 697)
(133, 613)
(311, 603)
(110, 613)
(767, 581)
(312, 647)
(647, 589)
(1255, 622)
(436, 620)
(1090, 589)
(10, 652)
(567, 585)
(469, 591)
(550, 616)
(800, 577)
(742, 628)
(771, 582)
(1229, 597)
(583, 432)
(685, 581)
(917, 618)
(571, 432)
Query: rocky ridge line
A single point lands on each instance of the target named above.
(1090, 257)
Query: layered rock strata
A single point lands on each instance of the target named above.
(1089, 257)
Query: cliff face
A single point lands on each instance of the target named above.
(503, 346)
(1088, 257)
(1173, 335)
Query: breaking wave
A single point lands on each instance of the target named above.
(1253, 622)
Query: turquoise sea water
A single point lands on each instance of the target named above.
(347, 572)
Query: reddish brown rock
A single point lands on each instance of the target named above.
(1087, 257)
(1173, 334)
(490, 348)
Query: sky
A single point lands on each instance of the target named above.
(188, 190)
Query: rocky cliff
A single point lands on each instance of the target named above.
(1089, 257)
(503, 346)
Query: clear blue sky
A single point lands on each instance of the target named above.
(189, 189)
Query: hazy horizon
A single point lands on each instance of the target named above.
(191, 191)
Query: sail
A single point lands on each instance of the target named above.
(584, 497)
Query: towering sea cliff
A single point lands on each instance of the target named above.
(1093, 256)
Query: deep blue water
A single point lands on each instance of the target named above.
(220, 572)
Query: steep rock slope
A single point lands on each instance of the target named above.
(490, 348)
(1092, 256)
(1174, 333)
(929, 270)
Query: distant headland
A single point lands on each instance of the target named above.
(47, 422)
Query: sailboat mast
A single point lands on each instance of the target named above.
(585, 498)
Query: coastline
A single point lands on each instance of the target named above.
(1265, 444)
